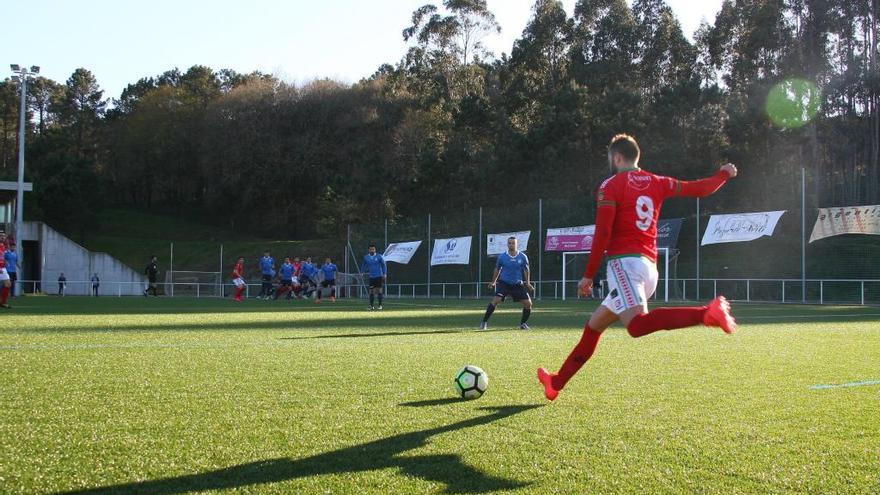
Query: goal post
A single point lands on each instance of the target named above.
(664, 251)
(194, 283)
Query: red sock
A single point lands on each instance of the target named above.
(238, 292)
(665, 319)
(579, 355)
(4, 295)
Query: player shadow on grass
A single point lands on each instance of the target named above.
(432, 402)
(448, 469)
(382, 334)
(459, 323)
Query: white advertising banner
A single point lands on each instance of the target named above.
(497, 243)
(454, 251)
(740, 227)
(846, 220)
(401, 252)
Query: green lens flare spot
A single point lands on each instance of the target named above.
(793, 103)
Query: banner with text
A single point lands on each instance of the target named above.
(401, 252)
(667, 232)
(497, 243)
(846, 220)
(570, 238)
(740, 227)
(454, 251)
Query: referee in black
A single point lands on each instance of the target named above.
(152, 270)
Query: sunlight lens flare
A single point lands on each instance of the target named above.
(793, 103)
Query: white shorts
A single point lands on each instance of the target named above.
(239, 282)
(3, 274)
(631, 281)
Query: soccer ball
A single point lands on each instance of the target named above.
(471, 382)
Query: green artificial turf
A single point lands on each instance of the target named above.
(166, 396)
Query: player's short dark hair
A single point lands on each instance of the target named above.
(371, 245)
(626, 146)
(512, 237)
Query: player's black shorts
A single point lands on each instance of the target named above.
(306, 280)
(266, 278)
(328, 283)
(517, 292)
(286, 283)
(376, 283)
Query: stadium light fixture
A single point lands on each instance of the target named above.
(15, 78)
(14, 67)
(35, 69)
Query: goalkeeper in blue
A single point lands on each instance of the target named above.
(374, 266)
(511, 279)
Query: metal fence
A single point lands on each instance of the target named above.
(784, 267)
(818, 291)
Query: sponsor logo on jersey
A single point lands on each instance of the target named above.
(638, 182)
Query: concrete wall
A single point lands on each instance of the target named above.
(61, 255)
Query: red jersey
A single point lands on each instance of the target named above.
(297, 268)
(629, 207)
(2, 255)
(238, 271)
(637, 196)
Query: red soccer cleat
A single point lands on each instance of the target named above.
(546, 379)
(718, 315)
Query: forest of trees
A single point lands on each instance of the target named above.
(451, 125)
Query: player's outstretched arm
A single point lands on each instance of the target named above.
(527, 276)
(495, 275)
(604, 221)
(708, 186)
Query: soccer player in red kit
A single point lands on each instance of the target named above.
(626, 225)
(238, 278)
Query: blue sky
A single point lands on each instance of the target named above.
(121, 41)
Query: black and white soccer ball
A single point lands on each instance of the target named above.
(471, 382)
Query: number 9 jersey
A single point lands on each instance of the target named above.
(636, 196)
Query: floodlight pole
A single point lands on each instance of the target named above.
(19, 198)
(22, 74)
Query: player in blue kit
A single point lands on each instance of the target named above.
(511, 278)
(374, 265)
(329, 270)
(308, 274)
(285, 273)
(267, 272)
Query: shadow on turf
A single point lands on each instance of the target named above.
(286, 321)
(382, 334)
(380, 454)
(432, 402)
